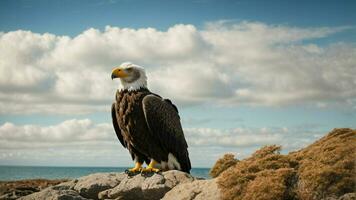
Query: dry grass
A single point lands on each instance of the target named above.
(323, 169)
(223, 164)
(327, 167)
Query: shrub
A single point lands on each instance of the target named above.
(321, 170)
(222, 164)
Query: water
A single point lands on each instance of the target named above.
(26, 172)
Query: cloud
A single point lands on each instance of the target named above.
(74, 131)
(291, 138)
(96, 143)
(67, 132)
(72, 142)
(244, 63)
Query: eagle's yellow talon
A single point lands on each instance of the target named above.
(137, 168)
(150, 169)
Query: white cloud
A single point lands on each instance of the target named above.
(90, 144)
(72, 142)
(66, 132)
(251, 137)
(231, 64)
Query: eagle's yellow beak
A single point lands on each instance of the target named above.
(118, 73)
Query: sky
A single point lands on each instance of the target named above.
(243, 74)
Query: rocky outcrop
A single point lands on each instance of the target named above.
(123, 186)
(90, 186)
(197, 190)
(142, 187)
(63, 191)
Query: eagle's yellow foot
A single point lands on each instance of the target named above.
(136, 169)
(151, 168)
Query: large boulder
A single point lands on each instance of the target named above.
(63, 191)
(147, 187)
(90, 186)
(196, 190)
(86, 187)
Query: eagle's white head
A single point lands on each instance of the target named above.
(132, 77)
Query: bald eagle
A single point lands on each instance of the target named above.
(146, 124)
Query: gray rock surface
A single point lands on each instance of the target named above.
(54, 194)
(197, 190)
(90, 186)
(153, 187)
(121, 186)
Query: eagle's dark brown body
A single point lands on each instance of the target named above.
(149, 127)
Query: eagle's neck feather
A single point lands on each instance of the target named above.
(135, 85)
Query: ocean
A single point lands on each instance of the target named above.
(8, 173)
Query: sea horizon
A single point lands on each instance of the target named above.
(23, 172)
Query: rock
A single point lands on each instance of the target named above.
(197, 190)
(54, 193)
(87, 187)
(129, 188)
(69, 185)
(117, 186)
(90, 186)
(151, 187)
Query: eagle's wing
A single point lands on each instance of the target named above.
(163, 120)
(116, 125)
(132, 150)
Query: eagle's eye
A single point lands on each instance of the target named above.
(129, 69)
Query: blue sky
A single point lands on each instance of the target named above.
(245, 70)
(72, 17)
